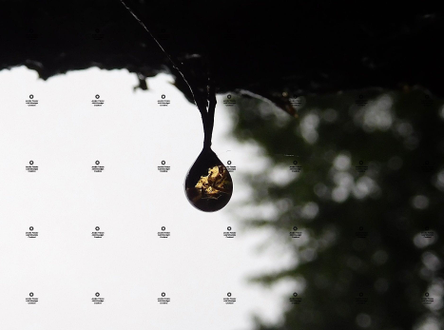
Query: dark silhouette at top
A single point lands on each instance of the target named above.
(272, 49)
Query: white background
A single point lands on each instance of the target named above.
(130, 200)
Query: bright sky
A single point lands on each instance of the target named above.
(130, 200)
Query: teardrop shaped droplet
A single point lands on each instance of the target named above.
(208, 184)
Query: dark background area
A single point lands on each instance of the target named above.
(263, 47)
(280, 51)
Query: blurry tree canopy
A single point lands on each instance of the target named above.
(366, 199)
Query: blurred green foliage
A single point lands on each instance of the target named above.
(363, 258)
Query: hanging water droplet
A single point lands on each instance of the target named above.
(208, 184)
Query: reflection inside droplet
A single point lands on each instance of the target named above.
(208, 185)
